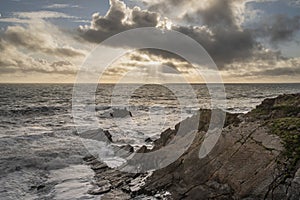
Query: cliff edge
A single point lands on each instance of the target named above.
(256, 157)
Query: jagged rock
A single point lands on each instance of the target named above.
(143, 149)
(101, 183)
(40, 187)
(256, 157)
(116, 195)
(148, 140)
(294, 191)
(98, 134)
(89, 158)
(100, 190)
(120, 113)
(242, 164)
(110, 183)
(124, 151)
(99, 166)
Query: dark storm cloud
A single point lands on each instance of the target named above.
(276, 72)
(118, 18)
(283, 71)
(219, 31)
(166, 6)
(223, 40)
(279, 28)
(223, 45)
(217, 13)
(139, 58)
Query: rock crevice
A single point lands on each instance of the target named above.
(256, 157)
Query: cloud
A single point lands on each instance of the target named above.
(58, 6)
(282, 71)
(12, 60)
(216, 25)
(278, 28)
(266, 63)
(215, 13)
(190, 11)
(43, 14)
(38, 46)
(223, 45)
(63, 67)
(220, 35)
(29, 17)
(118, 18)
(143, 60)
(294, 3)
(35, 38)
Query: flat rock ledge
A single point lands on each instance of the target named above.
(256, 157)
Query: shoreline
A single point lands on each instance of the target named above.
(247, 146)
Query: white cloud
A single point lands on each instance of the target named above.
(13, 60)
(41, 47)
(44, 14)
(36, 37)
(61, 6)
(29, 17)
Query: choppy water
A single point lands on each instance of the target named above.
(41, 154)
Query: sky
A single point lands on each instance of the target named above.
(250, 41)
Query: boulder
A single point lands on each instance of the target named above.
(98, 134)
(120, 113)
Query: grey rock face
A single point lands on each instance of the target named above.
(120, 113)
(249, 161)
(246, 163)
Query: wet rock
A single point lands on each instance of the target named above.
(100, 190)
(116, 195)
(98, 134)
(242, 164)
(124, 150)
(120, 113)
(98, 108)
(111, 183)
(89, 158)
(40, 187)
(294, 190)
(102, 183)
(98, 166)
(148, 140)
(248, 162)
(143, 149)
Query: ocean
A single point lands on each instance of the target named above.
(41, 151)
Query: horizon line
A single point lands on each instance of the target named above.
(113, 83)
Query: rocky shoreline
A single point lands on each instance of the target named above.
(256, 157)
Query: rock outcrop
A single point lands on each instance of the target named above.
(120, 113)
(256, 157)
(97, 134)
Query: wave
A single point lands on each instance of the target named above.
(36, 110)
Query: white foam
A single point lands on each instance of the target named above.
(72, 182)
